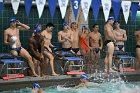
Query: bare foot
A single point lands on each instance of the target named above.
(111, 70)
(42, 75)
(54, 74)
(106, 70)
(35, 75)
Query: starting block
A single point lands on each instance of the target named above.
(13, 76)
(125, 61)
(127, 70)
(75, 73)
(6, 63)
(72, 62)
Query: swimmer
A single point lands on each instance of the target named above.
(109, 43)
(12, 38)
(83, 81)
(47, 34)
(37, 89)
(120, 36)
(36, 48)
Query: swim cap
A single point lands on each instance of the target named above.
(110, 18)
(72, 24)
(84, 27)
(12, 20)
(65, 24)
(36, 28)
(35, 85)
(84, 76)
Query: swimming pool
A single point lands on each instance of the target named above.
(113, 86)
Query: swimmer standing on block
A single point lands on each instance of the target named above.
(11, 38)
(109, 43)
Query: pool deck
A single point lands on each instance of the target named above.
(46, 81)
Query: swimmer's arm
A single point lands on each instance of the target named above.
(22, 26)
(79, 18)
(116, 37)
(60, 38)
(6, 38)
(51, 45)
(42, 47)
(70, 39)
(78, 86)
(100, 42)
(69, 16)
(124, 36)
(32, 48)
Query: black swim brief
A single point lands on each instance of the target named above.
(17, 49)
(66, 49)
(108, 41)
(137, 46)
(75, 50)
(96, 50)
(120, 46)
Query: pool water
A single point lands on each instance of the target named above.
(113, 86)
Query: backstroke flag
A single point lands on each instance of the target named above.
(85, 7)
(75, 7)
(52, 6)
(116, 5)
(96, 6)
(1, 5)
(40, 6)
(126, 8)
(15, 5)
(63, 6)
(106, 8)
(28, 5)
(134, 8)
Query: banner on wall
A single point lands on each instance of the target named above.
(134, 8)
(15, 5)
(126, 8)
(116, 5)
(52, 6)
(63, 6)
(40, 6)
(96, 6)
(75, 7)
(106, 4)
(28, 5)
(85, 7)
(1, 5)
